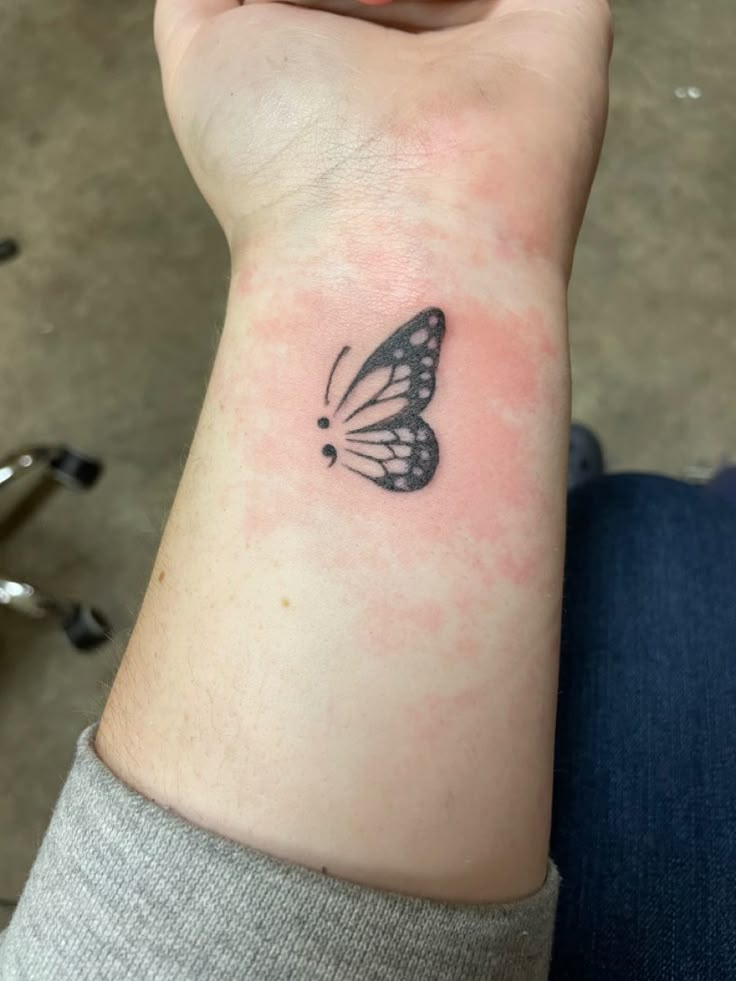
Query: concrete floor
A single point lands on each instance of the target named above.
(110, 317)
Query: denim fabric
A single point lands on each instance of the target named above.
(644, 824)
(724, 483)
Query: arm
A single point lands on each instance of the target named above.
(344, 676)
(353, 677)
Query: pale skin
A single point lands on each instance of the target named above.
(348, 678)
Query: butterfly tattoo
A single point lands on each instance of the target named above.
(376, 426)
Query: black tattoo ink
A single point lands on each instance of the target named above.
(382, 435)
(329, 450)
(338, 359)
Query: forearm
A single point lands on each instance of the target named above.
(344, 676)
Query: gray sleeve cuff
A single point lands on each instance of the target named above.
(124, 889)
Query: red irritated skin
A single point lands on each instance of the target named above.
(344, 675)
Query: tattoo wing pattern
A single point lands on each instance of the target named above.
(380, 433)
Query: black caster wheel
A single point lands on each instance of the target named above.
(86, 628)
(75, 469)
(8, 249)
(586, 457)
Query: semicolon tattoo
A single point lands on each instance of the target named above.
(376, 428)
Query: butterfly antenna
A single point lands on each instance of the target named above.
(340, 356)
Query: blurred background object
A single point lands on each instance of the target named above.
(111, 311)
(8, 249)
(40, 471)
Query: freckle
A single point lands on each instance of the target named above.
(162, 575)
(285, 602)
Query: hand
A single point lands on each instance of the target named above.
(290, 116)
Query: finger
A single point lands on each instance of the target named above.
(175, 21)
(591, 10)
(407, 15)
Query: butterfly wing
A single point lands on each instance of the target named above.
(401, 455)
(382, 434)
(399, 376)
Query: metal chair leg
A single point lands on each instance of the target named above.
(68, 467)
(85, 627)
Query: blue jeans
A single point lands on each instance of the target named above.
(644, 822)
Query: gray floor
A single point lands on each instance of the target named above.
(109, 318)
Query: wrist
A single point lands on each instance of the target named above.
(391, 259)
